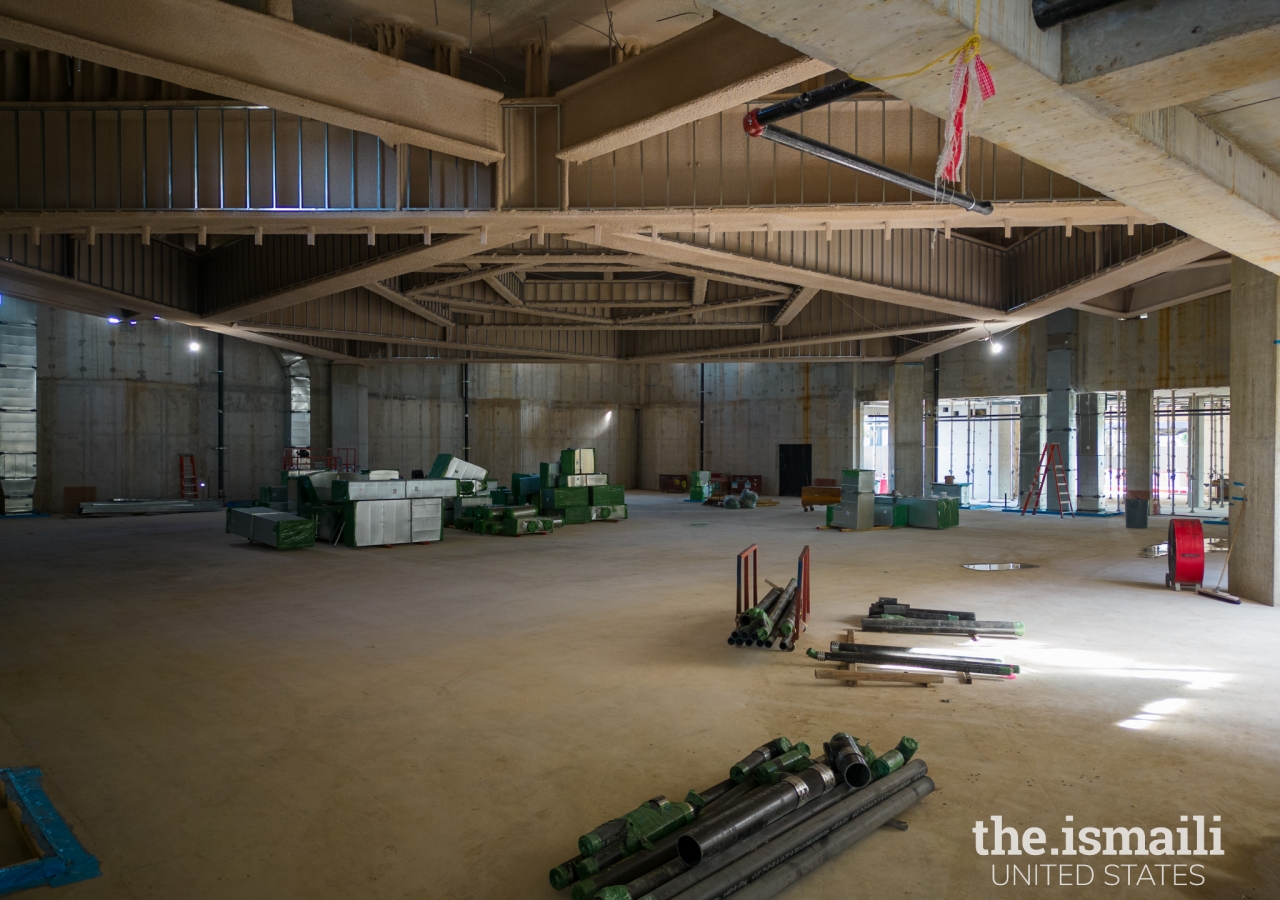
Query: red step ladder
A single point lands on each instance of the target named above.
(1050, 460)
(188, 486)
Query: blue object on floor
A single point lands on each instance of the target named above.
(60, 857)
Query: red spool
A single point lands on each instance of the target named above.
(1186, 553)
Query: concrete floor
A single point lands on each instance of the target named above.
(218, 719)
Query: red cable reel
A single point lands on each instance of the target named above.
(1186, 554)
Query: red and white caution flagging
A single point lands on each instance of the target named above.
(971, 84)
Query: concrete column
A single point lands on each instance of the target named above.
(1089, 410)
(931, 382)
(906, 429)
(349, 394)
(1255, 414)
(1030, 443)
(1140, 431)
(1060, 398)
(1196, 456)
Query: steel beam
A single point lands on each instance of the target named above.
(720, 260)
(362, 275)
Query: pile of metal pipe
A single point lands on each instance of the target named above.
(880, 655)
(752, 835)
(770, 623)
(890, 617)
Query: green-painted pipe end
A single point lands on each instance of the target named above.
(1018, 629)
(812, 653)
(785, 744)
(616, 892)
(590, 844)
(693, 798)
(587, 868)
(803, 748)
(737, 774)
(584, 890)
(1017, 670)
(908, 747)
(561, 877)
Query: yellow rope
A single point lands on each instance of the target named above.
(965, 52)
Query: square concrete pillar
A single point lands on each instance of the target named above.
(1089, 411)
(1030, 443)
(1140, 432)
(906, 429)
(349, 395)
(1255, 414)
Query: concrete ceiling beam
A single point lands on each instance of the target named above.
(790, 276)
(1166, 163)
(362, 275)
(228, 51)
(1180, 285)
(709, 68)
(1165, 258)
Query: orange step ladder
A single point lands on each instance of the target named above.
(188, 486)
(1050, 460)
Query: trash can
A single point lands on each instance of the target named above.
(1135, 513)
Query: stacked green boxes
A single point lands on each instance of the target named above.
(607, 495)
(582, 502)
(700, 486)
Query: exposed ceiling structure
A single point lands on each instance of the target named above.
(352, 203)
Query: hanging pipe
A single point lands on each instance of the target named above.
(919, 662)
(770, 803)
(813, 819)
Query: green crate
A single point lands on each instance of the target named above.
(574, 515)
(524, 485)
(564, 498)
(578, 461)
(608, 495)
(614, 511)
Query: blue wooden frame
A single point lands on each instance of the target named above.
(60, 858)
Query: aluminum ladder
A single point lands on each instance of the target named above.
(188, 486)
(1050, 460)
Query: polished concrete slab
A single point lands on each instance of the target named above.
(218, 719)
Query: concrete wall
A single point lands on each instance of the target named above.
(117, 404)
(751, 409)
(521, 415)
(1185, 346)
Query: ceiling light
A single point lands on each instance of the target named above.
(1142, 315)
(194, 347)
(157, 318)
(114, 320)
(996, 347)
(133, 321)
